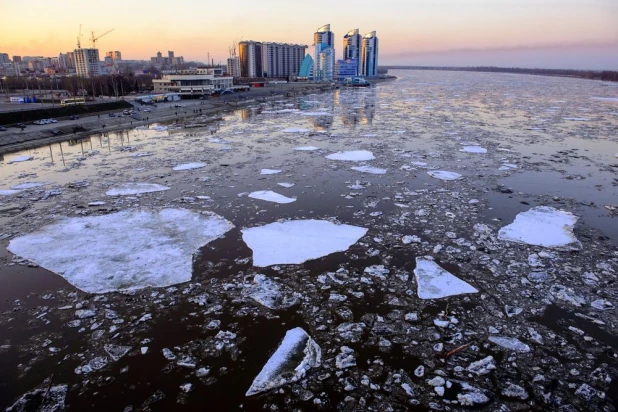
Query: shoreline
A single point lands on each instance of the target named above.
(93, 124)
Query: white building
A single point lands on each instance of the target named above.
(233, 66)
(87, 62)
(195, 81)
(369, 55)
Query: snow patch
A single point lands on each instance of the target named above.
(19, 159)
(269, 171)
(307, 148)
(473, 149)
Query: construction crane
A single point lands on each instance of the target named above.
(79, 37)
(94, 39)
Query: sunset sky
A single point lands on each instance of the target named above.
(543, 33)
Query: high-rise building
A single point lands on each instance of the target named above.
(233, 66)
(369, 55)
(170, 55)
(16, 59)
(70, 59)
(4, 58)
(116, 56)
(87, 62)
(324, 53)
(250, 53)
(352, 47)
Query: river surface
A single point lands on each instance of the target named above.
(517, 141)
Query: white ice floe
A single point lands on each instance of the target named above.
(189, 166)
(282, 111)
(606, 99)
(316, 114)
(434, 282)
(269, 171)
(128, 189)
(29, 185)
(271, 196)
(444, 175)
(419, 164)
(370, 169)
(129, 250)
(9, 192)
(352, 156)
(19, 159)
(473, 149)
(160, 128)
(271, 294)
(508, 166)
(576, 119)
(287, 185)
(541, 226)
(296, 241)
(295, 130)
(294, 357)
(307, 148)
(510, 343)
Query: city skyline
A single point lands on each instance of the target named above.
(543, 33)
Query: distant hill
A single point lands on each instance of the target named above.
(606, 75)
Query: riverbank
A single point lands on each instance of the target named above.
(33, 136)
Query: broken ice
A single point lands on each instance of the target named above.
(352, 156)
(269, 171)
(541, 226)
(271, 196)
(370, 169)
(444, 175)
(294, 357)
(435, 282)
(135, 188)
(296, 241)
(125, 251)
(270, 293)
(189, 166)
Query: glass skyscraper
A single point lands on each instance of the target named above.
(324, 53)
(369, 55)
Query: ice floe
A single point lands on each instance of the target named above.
(507, 167)
(296, 241)
(576, 119)
(128, 250)
(29, 185)
(189, 166)
(128, 189)
(541, 226)
(510, 343)
(9, 192)
(287, 185)
(295, 130)
(370, 169)
(269, 171)
(435, 283)
(352, 156)
(473, 149)
(294, 357)
(606, 99)
(271, 196)
(160, 128)
(444, 175)
(307, 148)
(19, 159)
(271, 294)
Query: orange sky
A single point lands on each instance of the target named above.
(405, 28)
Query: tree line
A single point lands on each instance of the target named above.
(606, 75)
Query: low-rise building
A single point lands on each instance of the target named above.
(194, 81)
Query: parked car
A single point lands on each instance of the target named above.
(2, 129)
(74, 117)
(177, 106)
(147, 109)
(112, 115)
(52, 120)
